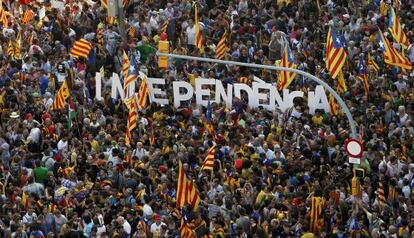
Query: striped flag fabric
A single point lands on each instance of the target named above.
(363, 75)
(333, 107)
(132, 31)
(28, 16)
(143, 93)
(391, 55)
(187, 193)
(132, 117)
(372, 64)
(199, 36)
(221, 46)
(3, 18)
(209, 160)
(10, 49)
(230, 181)
(245, 80)
(99, 34)
(381, 195)
(132, 75)
(396, 29)
(342, 88)
(125, 66)
(285, 77)
(165, 25)
(186, 229)
(335, 53)
(61, 96)
(316, 216)
(17, 47)
(81, 48)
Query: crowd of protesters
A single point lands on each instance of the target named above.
(84, 181)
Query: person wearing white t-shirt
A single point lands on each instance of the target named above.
(124, 223)
(139, 152)
(156, 226)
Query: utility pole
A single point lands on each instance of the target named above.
(121, 19)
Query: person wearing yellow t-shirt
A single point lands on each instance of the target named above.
(317, 119)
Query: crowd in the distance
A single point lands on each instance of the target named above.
(82, 180)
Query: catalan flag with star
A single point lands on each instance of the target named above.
(335, 53)
(391, 55)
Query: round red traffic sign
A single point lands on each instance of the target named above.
(354, 148)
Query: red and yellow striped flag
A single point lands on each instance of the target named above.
(396, 29)
(333, 107)
(209, 160)
(187, 193)
(132, 31)
(199, 36)
(28, 16)
(125, 66)
(3, 18)
(10, 49)
(371, 63)
(391, 55)
(342, 88)
(364, 79)
(245, 80)
(285, 77)
(335, 53)
(165, 25)
(17, 47)
(143, 93)
(381, 195)
(316, 216)
(132, 117)
(187, 230)
(81, 48)
(221, 47)
(61, 96)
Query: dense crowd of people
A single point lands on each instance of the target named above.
(83, 180)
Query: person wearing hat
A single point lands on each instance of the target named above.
(155, 228)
